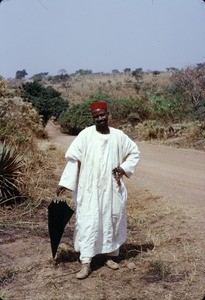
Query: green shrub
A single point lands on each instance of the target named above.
(164, 108)
(39, 77)
(120, 109)
(47, 101)
(132, 110)
(59, 78)
(76, 118)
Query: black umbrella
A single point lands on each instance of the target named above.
(59, 213)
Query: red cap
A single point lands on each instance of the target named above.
(101, 104)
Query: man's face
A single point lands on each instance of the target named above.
(100, 116)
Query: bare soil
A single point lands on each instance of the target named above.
(163, 257)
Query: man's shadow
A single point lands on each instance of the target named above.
(127, 251)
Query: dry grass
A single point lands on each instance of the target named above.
(184, 135)
(174, 264)
(119, 85)
(41, 176)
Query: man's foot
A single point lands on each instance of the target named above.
(84, 272)
(111, 264)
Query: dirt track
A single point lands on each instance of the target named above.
(176, 174)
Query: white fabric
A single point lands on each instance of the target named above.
(100, 202)
(87, 260)
(69, 176)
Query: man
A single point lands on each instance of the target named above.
(96, 161)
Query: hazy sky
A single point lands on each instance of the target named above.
(100, 35)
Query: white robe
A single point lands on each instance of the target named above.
(100, 202)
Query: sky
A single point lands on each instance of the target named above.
(100, 35)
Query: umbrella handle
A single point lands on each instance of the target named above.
(59, 190)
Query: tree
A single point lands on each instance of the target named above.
(138, 73)
(21, 74)
(62, 71)
(83, 72)
(155, 73)
(47, 100)
(127, 70)
(115, 71)
(172, 69)
(189, 86)
(59, 78)
(39, 76)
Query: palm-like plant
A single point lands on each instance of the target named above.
(11, 164)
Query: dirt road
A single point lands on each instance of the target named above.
(176, 174)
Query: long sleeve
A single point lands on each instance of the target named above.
(132, 156)
(69, 177)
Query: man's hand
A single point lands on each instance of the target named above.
(60, 189)
(118, 172)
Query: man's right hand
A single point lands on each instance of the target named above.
(59, 190)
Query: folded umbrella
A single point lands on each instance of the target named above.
(59, 213)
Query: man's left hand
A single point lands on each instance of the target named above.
(118, 172)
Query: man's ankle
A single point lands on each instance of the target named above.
(84, 272)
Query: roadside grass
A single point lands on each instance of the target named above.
(41, 176)
(176, 258)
